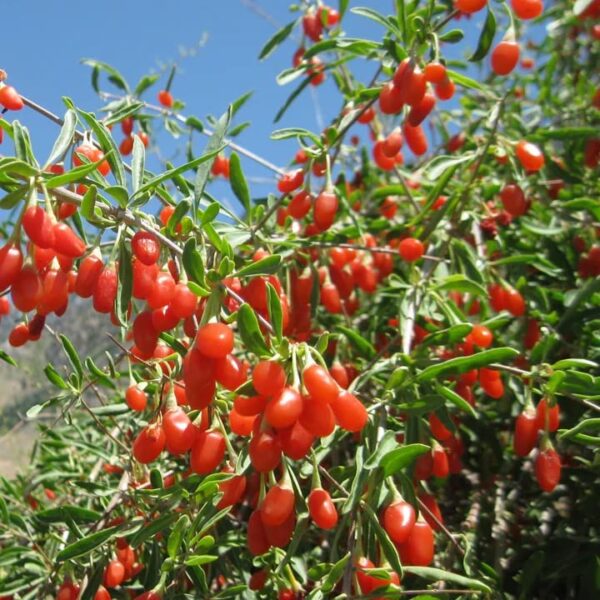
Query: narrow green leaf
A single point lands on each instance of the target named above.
(279, 37)
(401, 457)
(264, 266)
(275, 311)
(462, 364)
(64, 139)
(170, 174)
(75, 174)
(461, 283)
(72, 355)
(145, 82)
(363, 346)
(86, 544)
(125, 284)
(176, 536)
(60, 514)
(441, 575)
(238, 182)
(291, 99)
(250, 331)
(138, 160)
(457, 400)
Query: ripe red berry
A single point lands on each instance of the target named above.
(39, 227)
(527, 9)
(481, 336)
(208, 451)
(165, 98)
(11, 262)
(67, 242)
(469, 6)
(284, 409)
(529, 155)
(10, 98)
(513, 200)
(349, 411)
(325, 210)
(547, 469)
(319, 383)
(322, 510)
(418, 548)
(398, 520)
(214, 340)
(277, 505)
(114, 574)
(268, 378)
(149, 443)
(146, 247)
(180, 433)
(505, 57)
(526, 432)
(547, 418)
(411, 249)
(135, 398)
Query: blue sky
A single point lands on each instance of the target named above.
(216, 45)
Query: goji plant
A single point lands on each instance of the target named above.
(380, 381)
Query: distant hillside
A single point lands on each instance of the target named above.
(26, 385)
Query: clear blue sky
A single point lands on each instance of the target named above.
(42, 44)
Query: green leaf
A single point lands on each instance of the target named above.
(363, 346)
(176, 536)
(465, 81)
(441, 575)
(88, 203)
(460, 283)
(7, 359)
(387, 22)
(126, 109)
(72, 355)
(62, 514)
(250, 331)
(137, 164)
(171, 173)
(275, 311)
(86, 544)
(436, 167)
(54, 377)
(13, 198)
(486, 37)
(449, 336)
(145, 82)
(125, 284)
(237, 104)
(457, 400)
(384, 446)
(149, 530)
(279, 37)
(575, 363)
(291, 99)
(296, 132)
(400, 458)
(113, 75)
(64, 139)
(238, 182)
(462, 364)
(182, 208)
(335, 574)
(452, 37)
(76, 174)
(210, 214)
(215, 143)
(264, 266)
(563, 133)
(200, 559)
